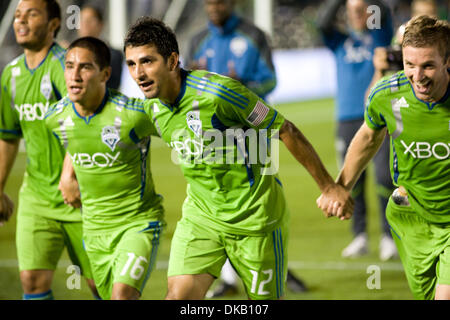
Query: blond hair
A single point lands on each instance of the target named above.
(425, 31)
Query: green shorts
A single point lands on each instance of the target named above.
(424, 249)
(124, 256)
(260, 261)
(40, 242)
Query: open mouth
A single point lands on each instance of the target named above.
(22, 32)
(423, 87)
(75, 89)
(146, 85)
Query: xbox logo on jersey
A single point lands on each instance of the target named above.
(32, 112)
(98, 159)
(424, 150)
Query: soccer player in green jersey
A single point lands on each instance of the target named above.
(29, 84)
(413, 106)
(235, 205)
(107, 137)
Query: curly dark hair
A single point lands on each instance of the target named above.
(150, 31)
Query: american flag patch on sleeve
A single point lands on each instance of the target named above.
(258, 114)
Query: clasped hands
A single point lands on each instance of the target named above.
(336, 201)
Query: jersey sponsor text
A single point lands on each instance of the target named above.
(98, 159)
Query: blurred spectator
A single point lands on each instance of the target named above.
(427, 7)
(139, 8)
(91, 24)
(233, 46)
(353, 49)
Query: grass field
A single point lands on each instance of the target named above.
(315, 242)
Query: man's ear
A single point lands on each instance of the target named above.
(106, 73)
(173, 61)
(54, 24)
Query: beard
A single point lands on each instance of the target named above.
(153, 93)
(37, 42)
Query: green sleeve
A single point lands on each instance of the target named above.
(144, 125)
(9, 121)
(148, 109)
(51, 119)
(58, 80)
(247, 110)
(375, 104)
(373, 115)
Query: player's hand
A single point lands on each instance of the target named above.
(70, 191)
(200, 64)
(336, 201)
(232, 70)
(6, 209)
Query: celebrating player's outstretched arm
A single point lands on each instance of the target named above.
(416, 97)
(226, 196)
(363, 147)
(304, 152)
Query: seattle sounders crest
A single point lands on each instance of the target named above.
(194, 123)
(110, 137)
(46, 87)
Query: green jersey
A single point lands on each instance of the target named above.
(25, 97)
(219, 132)
(110, 155)
(420, 139)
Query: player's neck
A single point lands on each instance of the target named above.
(89, 106)
(172, 88)
(35, 57)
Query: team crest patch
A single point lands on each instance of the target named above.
(194, 123)
(46, 87)
(15, 72)
(110, 137)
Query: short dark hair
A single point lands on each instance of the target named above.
(53, 11)
(425, 31)
(102, 55)
(150, 31)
